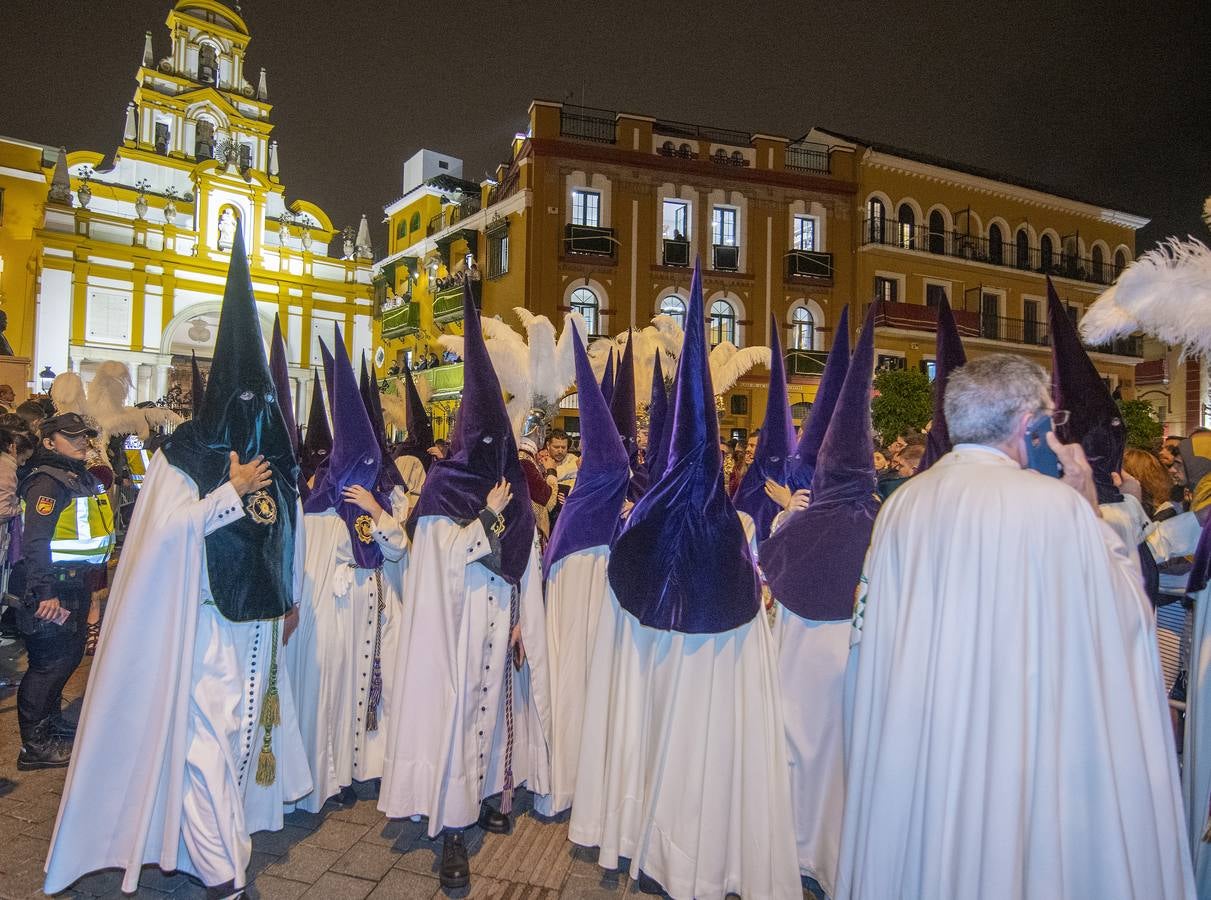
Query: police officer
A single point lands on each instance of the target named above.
(69, 532)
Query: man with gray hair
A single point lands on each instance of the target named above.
(1007, 734)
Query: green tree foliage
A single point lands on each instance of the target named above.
(1144, 429)
(903, 401)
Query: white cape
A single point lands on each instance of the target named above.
(577, 588)
(331, 653)
(446, 737)
(138, 740)
(1009, 735)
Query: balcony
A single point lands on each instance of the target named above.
(706, 133)
(1006, 253)
(448, 302)
(807, 156)
(1027, 332)
(805, 362)
(584, 123)
(726, 258)
(588, 240)
(676, 253)
(809, 264)
(401, 321)
(452, 214)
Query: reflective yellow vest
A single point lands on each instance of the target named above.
(84, 533)
(136, 460)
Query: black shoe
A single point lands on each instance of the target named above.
(648, 884)
(347, 796)
(493, 821)
(456, 870)
(62, 728)
(43, 751)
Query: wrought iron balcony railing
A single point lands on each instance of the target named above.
(587, 124)
(808, 156)
(448, 302)
(401, 321)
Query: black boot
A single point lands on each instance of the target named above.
(62, 728)
(648, 884)
(42, 750)
(492, 821)
(456, 869)
(347, 796)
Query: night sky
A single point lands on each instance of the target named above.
(1112, 103)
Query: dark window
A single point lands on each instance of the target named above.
(1099, 263)
(162, 136)
(245, 156)
(875, 216)
(1074, 314)
(498, 254)
(401, 228)
(584, 301)
(1031, 333)
(203, 145)
(442, 164)
(996, 245)
(723, 322)
(1022, 249)
(1046, 253)
(887, 361)
(907, 227)
(1, 206)
(990, 316)
(934, 294)
(208, 65)
(414, 222)
(1120, 262)
(937, 232)
(929, 368)
(887, 290)
(739, 405)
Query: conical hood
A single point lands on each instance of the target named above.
(590, 515)
(355, 460)
(482, 451)
(774, 446)
(658, 430)
(329, 368)
(1094, 417)
(368, 387)
(811, 435)
(197, 386)
(949, 356)
(420, 427)
(250, 561)
(622, 408)
(682, 562)
(814, 560)
(279, 367)
(317, 443)
(607, 380)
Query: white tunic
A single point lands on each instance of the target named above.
(331, 654)
(163, 770)
(577, 588)
(446, 735)
(1009, 735)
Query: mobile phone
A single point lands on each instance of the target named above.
(1040, 456)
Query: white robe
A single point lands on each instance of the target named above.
(331, 654)
(446, 737)
(165, 758)
(1009, 735)
(1196, 760)
(577, 588)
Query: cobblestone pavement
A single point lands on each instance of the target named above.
(346, 853)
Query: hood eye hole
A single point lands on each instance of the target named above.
(487, 438)
(247, 395)
(269, 398)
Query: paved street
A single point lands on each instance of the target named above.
(340, 853)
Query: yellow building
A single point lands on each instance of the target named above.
(604, 213)
(133, 246)
(925, 228)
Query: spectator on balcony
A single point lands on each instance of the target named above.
(432, 361)
(473, 272)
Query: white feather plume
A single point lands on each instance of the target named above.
(160, 417)
(67, 393)
(1166, 293)
(565, 359)
(736, 364)
(541, 344)
(395, 412)
(107, 394)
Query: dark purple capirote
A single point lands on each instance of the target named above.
(948, 356)
(811, 435)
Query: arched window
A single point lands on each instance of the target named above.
(674, 307)
(876, 214)
(1098, 261)
(937, 232)
(996, 245)
(907, 227)
(1046, 253)
(208, 64)
(584, 301)
(1022, 249)
(803, 329)
(203, 142)
(1120, 262)
(723, 322)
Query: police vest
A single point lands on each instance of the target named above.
(136, 461)
(84, 534)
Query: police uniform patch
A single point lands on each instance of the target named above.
(364, 526)
(45, 506)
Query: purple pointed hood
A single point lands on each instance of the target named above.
(317, 442)
(949, 356)
(1094, 417)
(329, 368)
(482, 451)
(814, 560)
(811, 435)
(279, 367)
(607, 380)
(197, 385)
(658, 430)
(590, 515)
(355, 460)
(682, 561)
(774, 445)
(389, 476)
(622, 409)
(420, 427)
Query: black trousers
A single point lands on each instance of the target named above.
(54, 654)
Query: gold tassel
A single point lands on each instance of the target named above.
(271, 716)
(266, 766)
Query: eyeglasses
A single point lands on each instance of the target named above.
(1060, 417)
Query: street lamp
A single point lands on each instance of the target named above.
(46, 377)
